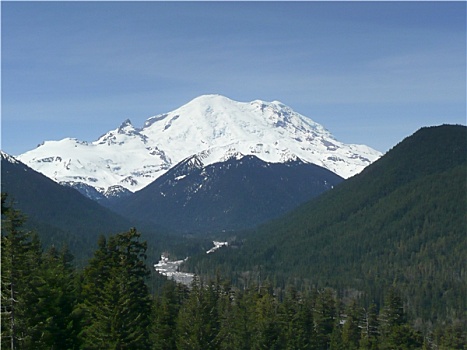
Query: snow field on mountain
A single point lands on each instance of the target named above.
(210, 126)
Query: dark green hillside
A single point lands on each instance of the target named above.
(402, 221)
(59, 214)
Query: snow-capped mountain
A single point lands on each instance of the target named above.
(212, 127)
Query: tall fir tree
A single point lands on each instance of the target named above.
(21, 255)
(59, 325)
(351, 328)
(198, 321)
(395, 332)
(324, 317)
(165, 314)
(299, 328)
(230, 335)
(370, 328)
(237, 320)
(116, 298)
(267, 326)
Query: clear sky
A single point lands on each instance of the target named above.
(370, 72)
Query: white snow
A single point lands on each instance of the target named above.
(217, 245)
(170, 269)
(213, 127)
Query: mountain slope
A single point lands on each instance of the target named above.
(402, 221)
(241, 192)
(131, 158)
(59, 214)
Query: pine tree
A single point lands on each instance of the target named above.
(267, 326)
(165, 314)
(324, 317)
(59, 326)
(299, 328)
(229, 336)
(116, 297)
(336, 341)
(370, 331)
(21, 254)
(237, 320)
(452, 335)
(198, 321)
(351, 327)
(395, 332)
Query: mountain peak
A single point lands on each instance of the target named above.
(209, 98)
(126, 127)
(126, 122)
(213, 127)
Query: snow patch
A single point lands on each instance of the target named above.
(217, 245)
(170, 269)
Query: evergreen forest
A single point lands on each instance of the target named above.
(115, 302)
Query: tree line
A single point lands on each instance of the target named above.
(46, 303)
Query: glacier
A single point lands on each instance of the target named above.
(213, 128)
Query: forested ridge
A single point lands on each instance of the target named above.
(58, 213)
(110, 304)
(402, 221)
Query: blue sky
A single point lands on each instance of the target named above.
(370, 72)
